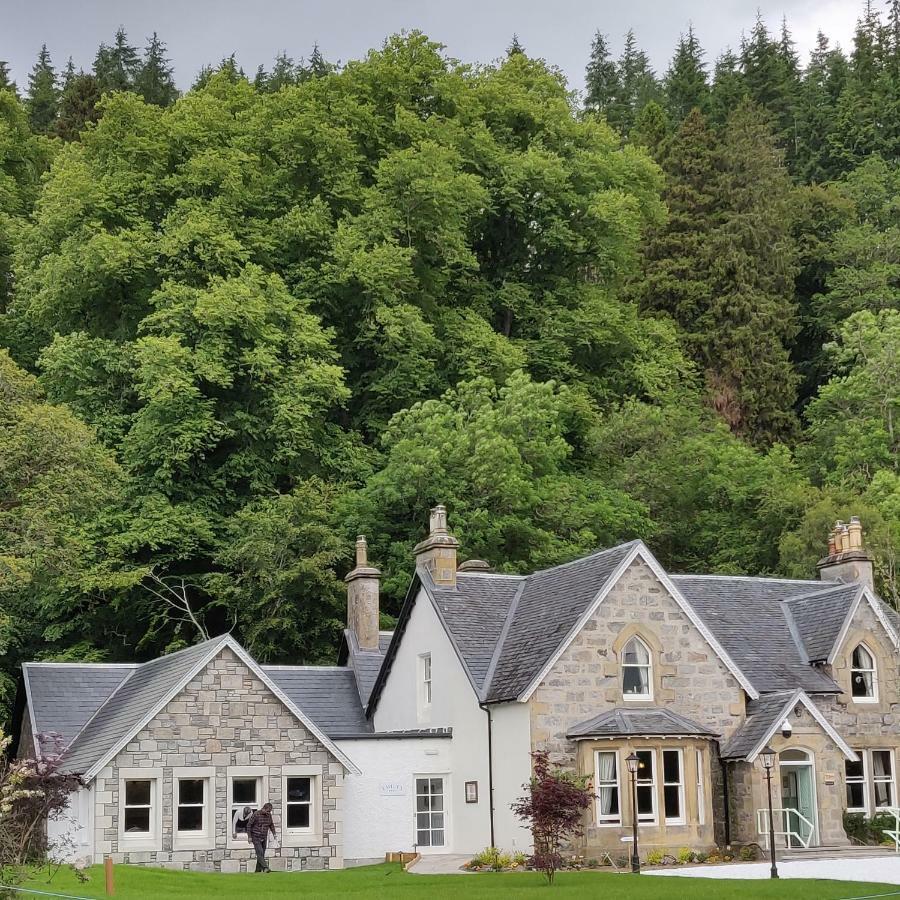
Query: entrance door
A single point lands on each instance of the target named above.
(430, 812)
(798, 793)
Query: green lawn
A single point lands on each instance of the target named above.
(390, 880)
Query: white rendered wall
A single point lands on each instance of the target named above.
(379, 804)
(512, 770)
(454, 705)
(70, 835)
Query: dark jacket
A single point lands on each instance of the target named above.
(260, 824)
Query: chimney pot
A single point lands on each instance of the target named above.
(847, 560)
(437, 553)
(363, 598)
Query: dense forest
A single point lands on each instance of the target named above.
(242, 324)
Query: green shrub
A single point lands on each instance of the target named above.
(685, 855)
(868, 831)
(701, 857)
(492, 858)
(655, 858)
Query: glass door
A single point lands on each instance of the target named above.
(430, 811)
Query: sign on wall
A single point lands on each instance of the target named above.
(393, 789)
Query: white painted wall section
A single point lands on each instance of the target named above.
(70, 835)
(512, 770)
(454, 705)
(379, 804)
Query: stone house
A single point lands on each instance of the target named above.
(421, 738)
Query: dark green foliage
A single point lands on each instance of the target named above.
(601, 79)
(154, 80)
(117, 66)
(43, 94)
(77, 106)
(685, 84)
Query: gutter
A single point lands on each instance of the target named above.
(490, 741)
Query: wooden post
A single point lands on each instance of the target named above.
(108, 871)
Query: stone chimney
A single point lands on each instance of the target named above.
(362, 598)
(437, 552)
(847, 559)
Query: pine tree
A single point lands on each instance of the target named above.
(43, 93)
(318, 66)
(638, 85)
(261, 78)
(68, 74)
(685, 83)
(728, 88)
(744, 335)
(651, 130)
(284, 73)
(6, 82)
(78, 106)
(117, 67)
(155, 78)
(601, 78)
(515, 46)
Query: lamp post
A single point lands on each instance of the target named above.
(634, 763)
(767, 756)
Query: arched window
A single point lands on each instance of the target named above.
(637, 681)
(863, 681)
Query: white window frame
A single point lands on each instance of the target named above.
(607, 820)
(864, 781)
(303, 837)
(653, 783)
(446, 847)
(424, 686)
(680, 819)
(873, 697)
(205, 839)
(261, 774)
(892, 781)
(630, 698)
(152, 840)
(701, 793)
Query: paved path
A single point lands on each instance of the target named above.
(441, 864)
(885, 869)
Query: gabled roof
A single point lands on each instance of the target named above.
(364, 664)
(61, 697)
(643, 722)
(764, 718)
(820, 617)
(148, 688)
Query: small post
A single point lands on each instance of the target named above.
(633, 762)
(768, 760)
(110, 880)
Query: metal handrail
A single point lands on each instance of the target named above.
(894, 833)
(784, 813)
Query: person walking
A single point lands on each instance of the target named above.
(258, 829)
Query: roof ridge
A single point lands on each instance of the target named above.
(501, 640)
(73, 663)
(289, 668)
(746, 577)
(587, 556)
(836, 586)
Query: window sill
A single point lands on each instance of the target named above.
(193, 842)
(637, 698)
(864, 699)
(136, 844)
(302, 839)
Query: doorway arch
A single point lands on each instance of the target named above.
(797, 771)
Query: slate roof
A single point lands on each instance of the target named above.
(63, 696)
(365, 664)
(819, 618)
(761, 715)
(546, 609)
(327, 694)
(644, 722)
(751, 620)
(144, 687)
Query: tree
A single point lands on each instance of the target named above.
(638, 85)
(685, 83)
(553, 808)
(78, 106)
(728, 88)
(43, 93)
(514, 46)
(602, 85)
(6, 82)
(283, 74)
(318, 66)
(154, 79)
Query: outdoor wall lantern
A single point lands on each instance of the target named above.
(767, 756)
(634, 763)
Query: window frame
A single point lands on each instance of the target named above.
(681, 818)
(631, 697)
(865, 698)
(424, 685)
(445, 811)
(652, 782)
(205, 839)
(701, 792)
(863, 780)
(142, 840)
(303, 837)
(232, 773)
(607, 820)
(892, 781)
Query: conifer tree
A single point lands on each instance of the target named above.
(318, 66)
(68, 74)
(43, 93)
(78, 106)
(116, 67)
(637, 85)
(601, 80)
(685, 83)
(744, 335)
(515, 46)
(260, 78)
(283, 74)
(155, 80)
(728, 88)
(6, 82)
(651, 130)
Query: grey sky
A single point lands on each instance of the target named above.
(201, 31)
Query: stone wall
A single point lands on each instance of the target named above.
(688, 677)
(225, 717)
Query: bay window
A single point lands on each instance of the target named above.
(673, 787)
(646, 786)
(855, 780)
(607, 780)
(883, 778)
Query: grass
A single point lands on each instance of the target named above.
(139, 883)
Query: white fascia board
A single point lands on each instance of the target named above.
(802, 698)
(879, 612)
(30, 704)
(640, 550)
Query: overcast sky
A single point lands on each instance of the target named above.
(560, 31)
